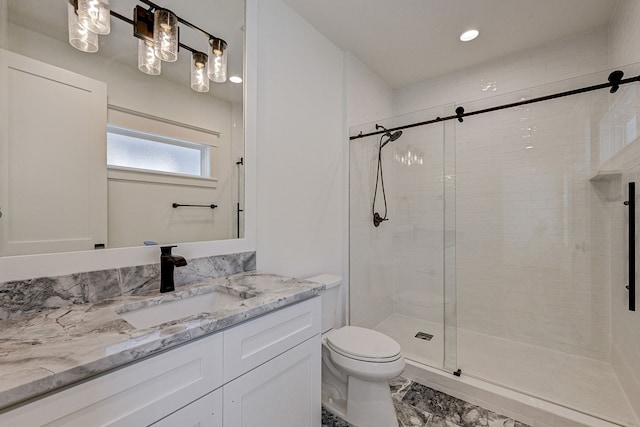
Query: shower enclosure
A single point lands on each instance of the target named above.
(504, 251)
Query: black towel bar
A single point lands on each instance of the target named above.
(212, 206)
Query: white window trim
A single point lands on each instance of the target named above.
(119, 173)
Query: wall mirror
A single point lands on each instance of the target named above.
(68, 113)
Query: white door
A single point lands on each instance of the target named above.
(53, 185)
(284, 392)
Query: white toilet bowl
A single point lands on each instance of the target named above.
(356, 366)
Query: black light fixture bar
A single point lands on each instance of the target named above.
(615, 81)
(182, 21)
(121, 17)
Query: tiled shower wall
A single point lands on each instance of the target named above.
(531, 260)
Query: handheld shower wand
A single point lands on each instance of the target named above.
(392, 136)
(377, 218)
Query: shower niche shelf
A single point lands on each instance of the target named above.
(606, 175)
(608, 183)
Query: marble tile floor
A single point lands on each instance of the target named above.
(421, 406)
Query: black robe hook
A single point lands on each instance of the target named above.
(615, 78)
(459, 113)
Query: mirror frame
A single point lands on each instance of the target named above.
(24, 267)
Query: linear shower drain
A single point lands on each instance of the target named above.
(424, 336)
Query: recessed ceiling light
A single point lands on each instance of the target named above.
(235, 79)
(469, 35)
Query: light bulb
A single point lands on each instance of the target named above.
(165, 35)
(148, 62)
(217, 60)
(469, 35)
(199, 68)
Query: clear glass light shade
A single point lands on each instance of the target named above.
(79, 37)
(94, 15)
(165, 35)
(199, 75)
(218, 60)
(148, 62)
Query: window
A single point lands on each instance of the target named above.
(128, 148)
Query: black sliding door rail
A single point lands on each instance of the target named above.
(615, 81)
(631, 203)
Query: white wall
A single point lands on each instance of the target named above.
(300, 147)
(624, 34)
(549, 63)
(368, 98)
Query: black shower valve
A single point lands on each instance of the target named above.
(377, 219)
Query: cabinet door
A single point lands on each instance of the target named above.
(134, 396)
(284, 392)
(252, 343)
(204, 412)
(53, 175)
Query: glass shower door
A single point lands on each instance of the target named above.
(398, 269)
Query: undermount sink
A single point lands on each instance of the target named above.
(167, 311)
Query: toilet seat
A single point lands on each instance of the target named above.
(363, 344)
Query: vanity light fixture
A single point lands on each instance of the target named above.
(199, 72)
(469, 35)
(158, 32)
(235, 79)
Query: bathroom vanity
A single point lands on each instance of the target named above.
(252, 362)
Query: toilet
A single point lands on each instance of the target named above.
(356, 366)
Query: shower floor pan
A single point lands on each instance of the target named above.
(530, 383)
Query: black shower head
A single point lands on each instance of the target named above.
(392, 136)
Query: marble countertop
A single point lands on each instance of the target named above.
(57, 347)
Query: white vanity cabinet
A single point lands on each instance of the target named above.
(263, 372)
(274, 365)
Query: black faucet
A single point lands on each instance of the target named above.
(167, 263)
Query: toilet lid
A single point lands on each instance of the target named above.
(363, 344)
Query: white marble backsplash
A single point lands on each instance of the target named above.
(29, 296)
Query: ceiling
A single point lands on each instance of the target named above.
(225, 19)
(409, 41)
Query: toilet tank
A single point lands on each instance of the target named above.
(330, 300)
